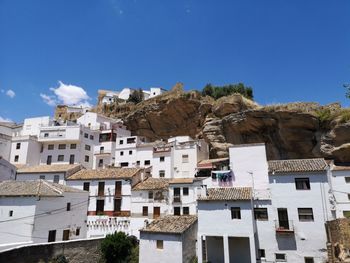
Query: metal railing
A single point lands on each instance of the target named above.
(284, 226)
(177, 199)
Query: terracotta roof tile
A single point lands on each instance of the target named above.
(181, 181)
(297, 165)
(54, 168)
(171, 224)
(229, 193)
(152, 184)
(108, 173)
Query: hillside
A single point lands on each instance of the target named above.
(294, 130)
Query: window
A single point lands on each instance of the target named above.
(185, 158)
(185, 210)
(305, 214)
(302, 183)
(18, 145)
(42, 177)
(280, 257)
(145, 211)
(91, 137)
(121, 142)
(100, 163)
(86, 186)
(49, 159)
(161, 159)
(77, 231)
(100, 207)
(10, 213)
(65, 234)
(101, 188)
(160, 244)
(147, 162)
(261, 253)
(308, 260)
(348, 196)
(46, 135)
(87, 158)
(50, 147)
(138, 163)
(56, 178)
(87, 147)
(121, 153)
(347, 180)
(235, 213)
(261, 214)
(130, 140)
(161, 173)
(86, 135)
(71, 159)
(177, 211)
(16, 158)
(61, 146)
(60, 158)
(150, 195)
(117, 204)
(130, 152)
(125, 164)
(52, 236)
(68, 206)
(73, 146)
(185, 191)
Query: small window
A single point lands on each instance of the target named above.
(56, 178)
(91, 137)
(86, 135)
(302, 183)
(61, 146)
(125, 164)
(77, 231)
(10, 213)
(161, 159)
(121, 142)
(347, 180)
(121, 153)
(261, 253)
(160, 244)
(305, 214)
(145, 211)
(280, 257)
(147, 162)
(18, 145)
(42, 177)
(86, 186)
(161, 173)
(185, 191)
(261, 214)
(60, 158)
(138, 163)
(68, 206)
(46, 135)
(177, 211)
(50, 147)
(87, 158)
(16, 158)
(130, 152)
(235, 213)
(185, 158)
(150, 195)
(309, 260)
(130, 140)
(87, 147)
(73, 146)
(185, 210)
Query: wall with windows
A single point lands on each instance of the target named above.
(61, 153)
(51, 177)
(186, 201)
(25, 150)
(162, 165)
(340, 181)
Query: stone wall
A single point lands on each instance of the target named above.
(77, 251)
(338, 232)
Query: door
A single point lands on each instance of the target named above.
(177, 194)
(100, 205)
(71, 159)
(65, 234)
(52, 236)
(283, 218)
(156, 212)
(117, 205)
(118, 189)
(49, 160)
(101, 188)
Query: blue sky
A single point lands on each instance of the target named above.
(287, 50)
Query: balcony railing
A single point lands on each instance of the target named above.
(98, 152)
(284, 226)
(177, 199)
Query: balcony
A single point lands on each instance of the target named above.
(177, 199)
(102, 152)
(284, 226)
(161, 149)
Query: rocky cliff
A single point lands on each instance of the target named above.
(295, 130)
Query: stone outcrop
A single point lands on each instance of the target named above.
(295, 130)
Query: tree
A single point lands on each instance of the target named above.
(117, 248)
(347, 93)
(208, 90)
(136, 96)
(220, 91)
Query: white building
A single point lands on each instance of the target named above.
(109, 96)
(109, 197)
(7, 130)
(7, 170)
(169, 239)
(39, 212)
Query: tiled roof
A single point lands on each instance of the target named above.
(54, 168)
(152, 184)
(108, 173)
(297, 165)
(34, 188)
(229, 193)
(211, 161)
(171, 224)
(181, 181)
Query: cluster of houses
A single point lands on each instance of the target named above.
(89, 178)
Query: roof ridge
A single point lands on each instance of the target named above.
(54, 188)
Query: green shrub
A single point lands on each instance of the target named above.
(220, 91)
(117, 248)
(324, 115)
(344, 116)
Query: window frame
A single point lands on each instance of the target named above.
(236, 213)
(304, 181)
(185, 193)
(60, 158)
(50, 147)
(185, 159)
(308, 217)
(160, 244)
(62, 146)
(258, 211)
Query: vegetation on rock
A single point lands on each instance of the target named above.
(136, 96)
(217, 92)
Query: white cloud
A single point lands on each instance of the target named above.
(5, 119)
(10, 93)
(68, 95)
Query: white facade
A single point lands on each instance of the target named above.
(124, 94)
(7, 170)
(7, 130)
(25, 150)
